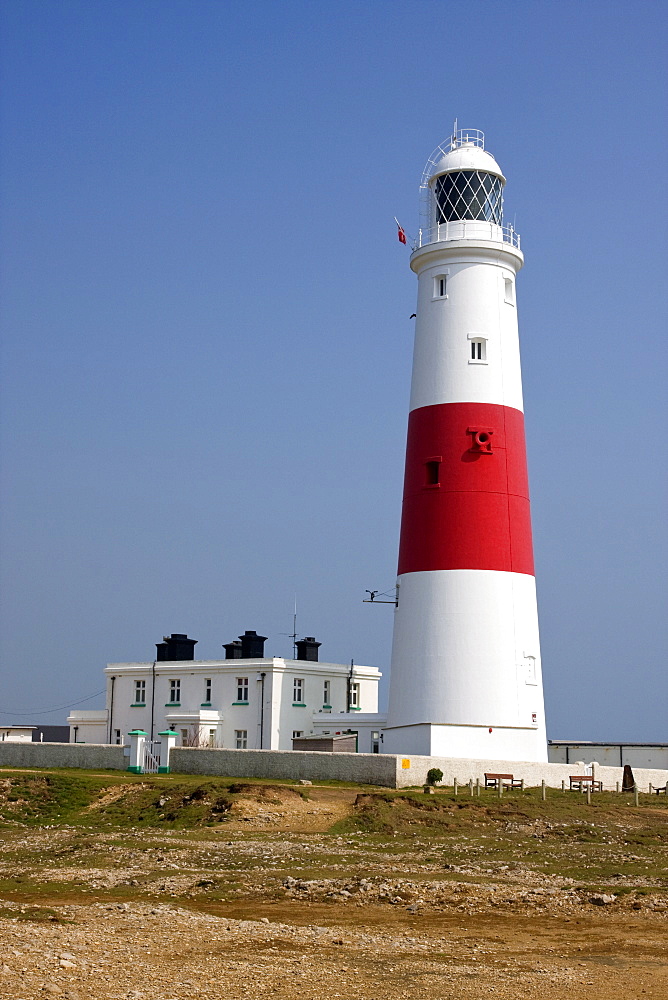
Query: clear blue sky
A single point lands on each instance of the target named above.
(207, 343)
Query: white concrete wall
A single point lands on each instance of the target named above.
(375, 769)
(613, 755)
(371, 769)
(532, 772)
(387, 769)
(85, 755)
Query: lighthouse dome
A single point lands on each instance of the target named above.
(467, 156)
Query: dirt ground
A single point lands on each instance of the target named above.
(278, 901)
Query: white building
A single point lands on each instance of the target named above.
(244, 701)
(16, 734)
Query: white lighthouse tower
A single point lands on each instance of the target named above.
(466, 671)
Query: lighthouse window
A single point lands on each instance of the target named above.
(469, 194)
(509, 293)
(440, 286)
(478, 349)
(433, 473)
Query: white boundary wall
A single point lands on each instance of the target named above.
(88, 755)
(387, 769)
(314, 765)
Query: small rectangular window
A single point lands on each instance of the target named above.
(441, 286)
(117, 737)
(242, 689)
(478, 349)
(175, 692)
(326, 694)
(298, 691)
(140, 692)
(509, 291)
(433, 471)
(207, 690)
(241, 739)
(354, 696)
(297, 733)
(212, 737)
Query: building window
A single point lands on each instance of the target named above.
(354, 696)
(241, 739)
(298, 691)
(174, 692)
(207, 691)
(509, 291)
(375, 742)
(478, 349)
(212, 737)
(297, 733)
(326, 694)
(184, 737)
(440, 286)
(242, 689)
(530, 662)
(117, 737)
(140, 692)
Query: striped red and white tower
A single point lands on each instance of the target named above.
(466, 672)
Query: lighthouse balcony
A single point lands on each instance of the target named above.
(467, 229)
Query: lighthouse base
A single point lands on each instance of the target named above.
(476, 742)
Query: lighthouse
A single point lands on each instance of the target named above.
(466, 670)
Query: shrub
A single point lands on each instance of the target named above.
(434, 775)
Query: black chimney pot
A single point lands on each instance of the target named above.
(252, 645)
(176, 646)
(307, 648)
(232, 650)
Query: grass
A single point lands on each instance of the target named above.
(441, 836)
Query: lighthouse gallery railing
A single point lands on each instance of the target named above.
(466, 230)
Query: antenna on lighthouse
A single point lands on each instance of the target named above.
(454, 133)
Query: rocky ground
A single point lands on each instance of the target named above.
(287, 897)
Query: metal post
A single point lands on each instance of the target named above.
(563, 785)
(635, 795)
(522, 785)
(477, 787)
(588, 794)
(454, 787)
(651, 788)
(499, 787)
(471, 787)
(543, 790)
(617, 787)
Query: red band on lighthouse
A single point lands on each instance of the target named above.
(469, 507)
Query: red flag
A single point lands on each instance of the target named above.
(402, 235)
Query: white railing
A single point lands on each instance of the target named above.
(459, 137)
(467, 229)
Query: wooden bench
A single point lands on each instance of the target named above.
(507, 780)
(580, 782)
(662, 791)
